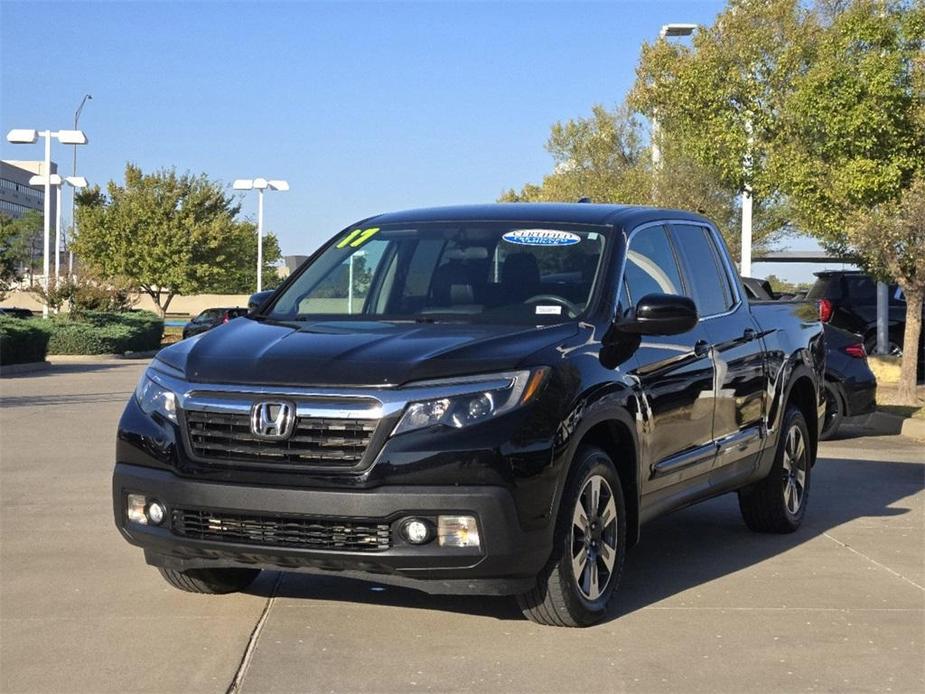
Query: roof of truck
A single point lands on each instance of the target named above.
(536, 212)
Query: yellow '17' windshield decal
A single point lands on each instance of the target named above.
(357, 237)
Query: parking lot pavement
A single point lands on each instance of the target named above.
(705, 604)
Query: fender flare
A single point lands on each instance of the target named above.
(590, 410)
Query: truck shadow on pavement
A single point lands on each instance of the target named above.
(677, 552)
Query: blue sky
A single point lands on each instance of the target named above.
(363, 107)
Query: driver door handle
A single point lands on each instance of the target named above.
(701, 348)
(749, 335)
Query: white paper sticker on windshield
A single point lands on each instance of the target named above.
(541, 237)
(549, 310)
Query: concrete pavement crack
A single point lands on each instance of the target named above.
(875, 562)
(239, 674)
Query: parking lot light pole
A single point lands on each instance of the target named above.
(70, 255)
(667, 31)
(261, 185)
(23, 136)
(58, 182)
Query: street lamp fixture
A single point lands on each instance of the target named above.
(676, 30)
(20, 136)
(260, 185)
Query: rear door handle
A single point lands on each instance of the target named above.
(701, 348)
(749, 335)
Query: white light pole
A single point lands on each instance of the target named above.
(260, 184)
(358, 254)
(28, 137)
(70, 254)
(58, 182)
(667, 31)
(745, 265)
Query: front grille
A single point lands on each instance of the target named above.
(282, 531)
(315, 441)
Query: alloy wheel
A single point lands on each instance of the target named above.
(594, 537)
(794, 470)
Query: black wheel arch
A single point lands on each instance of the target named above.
(613, 430)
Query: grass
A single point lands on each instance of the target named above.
(171, 334)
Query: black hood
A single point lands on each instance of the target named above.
(354, 353)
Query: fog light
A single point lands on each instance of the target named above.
(156, 513)
(136, 508)
(417, 531)
(457, 531)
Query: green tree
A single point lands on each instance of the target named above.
(20, 245)
(243, 279)
(166, 233)
(891, 240)
(719, 98)
(606, 157)
(850, 147)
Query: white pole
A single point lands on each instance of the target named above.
(745, 267)
(47, 209)
(260, 240)
(656, 150)
(58, 233)
(350, 287)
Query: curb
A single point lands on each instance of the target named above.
(28, 367)
(914, 429)
(890, 424)
(83, 358)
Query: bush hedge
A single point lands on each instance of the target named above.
(99, 332)
(22, 340)
(94, 332)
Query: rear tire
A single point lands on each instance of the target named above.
(834, 412)
(589, 546)
(210, 581)
(777, 503)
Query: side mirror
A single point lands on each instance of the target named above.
(660, 314)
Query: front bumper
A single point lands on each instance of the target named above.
(506, 561)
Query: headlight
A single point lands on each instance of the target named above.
(483, 397)
(153, 397)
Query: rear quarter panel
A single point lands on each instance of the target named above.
(795, 347)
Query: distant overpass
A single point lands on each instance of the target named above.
(801, 257)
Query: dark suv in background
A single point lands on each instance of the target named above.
(848, 300)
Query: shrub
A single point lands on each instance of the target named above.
(22, 340)
(98, 332)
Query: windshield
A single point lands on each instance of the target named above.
(474, 272)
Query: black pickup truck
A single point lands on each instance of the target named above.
(479, 399)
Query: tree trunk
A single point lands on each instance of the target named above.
(170, 296)
(909, 372)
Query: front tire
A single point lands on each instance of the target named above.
(589, 547)
(777, 503)
(210, 581)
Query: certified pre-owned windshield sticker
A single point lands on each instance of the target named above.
(541, 237)
(549, 310)
(357, 237)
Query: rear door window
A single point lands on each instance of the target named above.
(707, 279)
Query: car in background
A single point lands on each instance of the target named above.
(211, 318)
(848, 300)
(13, 312)
(850, 385)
